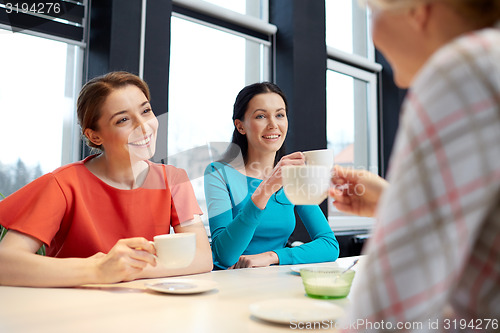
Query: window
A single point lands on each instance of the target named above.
(209, 65)
(38, 99)
(352, 117)
(207, 69)
(351, 127)
(347, 28)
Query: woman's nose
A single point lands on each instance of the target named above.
(141, 126)
(271, 123)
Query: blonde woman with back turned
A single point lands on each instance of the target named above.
(433, 261)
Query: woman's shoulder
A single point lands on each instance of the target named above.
(172, 173)
(226, 171)
(465, 71)
(217, 165)
(465, 54)
(220, 167)
(71, 169)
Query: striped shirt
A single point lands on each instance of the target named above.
(433, 261)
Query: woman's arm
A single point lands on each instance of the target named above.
(323, 245)
(230, 235)
(22, 267)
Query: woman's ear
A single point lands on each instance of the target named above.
(93, 136)
(419, 16)
(239, 126)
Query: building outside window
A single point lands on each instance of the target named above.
(39, 83)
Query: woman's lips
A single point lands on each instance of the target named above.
(143, 142)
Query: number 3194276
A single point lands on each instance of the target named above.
(474, 324)
(49, 8)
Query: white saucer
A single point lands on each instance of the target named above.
(289, 310)
(182, 286)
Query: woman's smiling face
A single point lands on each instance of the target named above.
(265, 123)
(127, 126)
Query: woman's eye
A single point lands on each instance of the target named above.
(122, 120)
(147, 110)
(280, 115)
(260, 116)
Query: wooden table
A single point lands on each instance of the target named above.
(130, 307)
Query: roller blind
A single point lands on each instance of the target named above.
(60, 18)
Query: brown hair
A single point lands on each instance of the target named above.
(95, 92)
(481, 13)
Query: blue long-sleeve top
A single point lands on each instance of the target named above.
(238, 227)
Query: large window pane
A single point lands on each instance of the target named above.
(347, 119)
(347, 27)
(208, 67)
(351, 128)
(37, 103)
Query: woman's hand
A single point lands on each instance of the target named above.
(125, 261)
(202, 261)
(356, 191)
(272, 183)
(257, 260)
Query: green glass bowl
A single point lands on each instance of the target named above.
(327, 282)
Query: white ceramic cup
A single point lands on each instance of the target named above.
(306, 184)
(322, 157)
(175, 250)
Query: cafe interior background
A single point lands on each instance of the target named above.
(196, 55)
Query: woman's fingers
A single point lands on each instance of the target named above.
(141, 251)
(241, 263)
(138, 243)
(238, 264)
(339, 195)
(341, 176)
(143, 258)
(297, 155)
(296, 158)
(343, 207)
(129, 255)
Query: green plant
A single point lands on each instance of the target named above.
(3, 231)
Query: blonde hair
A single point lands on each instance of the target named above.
(94, 93)
(481, 13)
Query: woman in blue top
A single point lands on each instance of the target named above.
(250, 217)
